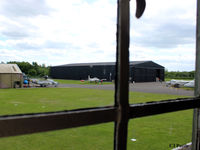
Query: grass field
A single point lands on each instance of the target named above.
(61, 81)
(188, 79)
(78, 82)
(152, 133)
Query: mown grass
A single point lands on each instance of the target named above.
(51, 99)
(188, 88)
(152, 133)
(61, 81)
(189, 79)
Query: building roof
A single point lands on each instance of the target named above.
(9, 68)
(100, 64)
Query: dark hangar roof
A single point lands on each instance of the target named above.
(108, 64)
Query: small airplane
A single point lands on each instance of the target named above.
(95, 79)
(189, 84)
(178, 83)
(44, 83)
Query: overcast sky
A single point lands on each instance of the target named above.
(56, 32)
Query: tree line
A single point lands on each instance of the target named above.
(179, 75)
(34, 69)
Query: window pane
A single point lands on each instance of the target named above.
(164, 35)
(45, 34)
(162, 132)
(162, 44)
(98, 137)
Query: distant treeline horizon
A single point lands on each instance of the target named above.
(179, 74)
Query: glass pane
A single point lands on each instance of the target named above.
(162, 44)
(163, 132)
(98, 137)
(40, 35)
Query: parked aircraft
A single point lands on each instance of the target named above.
(179, 83)
(44, 83)
(189, 84)
(38, 82)
(95, 79)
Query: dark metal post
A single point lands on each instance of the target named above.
(196, 116)
(122, 83)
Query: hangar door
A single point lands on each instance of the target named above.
(143, 74)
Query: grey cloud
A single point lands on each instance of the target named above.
(14, 34)
(23, 8)
(47, 44)
(60, 45)
(13, 31)
(27, 46)
(167, 35)
(56, 45)
(18, 11)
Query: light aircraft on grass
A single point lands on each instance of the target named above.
(95, 79)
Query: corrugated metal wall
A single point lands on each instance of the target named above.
(82, 72)
(144, 75)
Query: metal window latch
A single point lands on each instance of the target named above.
(141, 4)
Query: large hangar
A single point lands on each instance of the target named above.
(140, 71)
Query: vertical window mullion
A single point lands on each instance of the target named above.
(122, 79)
(196, 115)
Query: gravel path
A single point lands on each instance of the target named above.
(148, 87)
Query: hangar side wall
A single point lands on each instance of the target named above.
(82, 72)
(65, 72)
(103, 72)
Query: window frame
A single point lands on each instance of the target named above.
(122, 111)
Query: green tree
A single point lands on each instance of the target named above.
(24, 66)
(33, 69)
(179, 75)
(32, 72)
